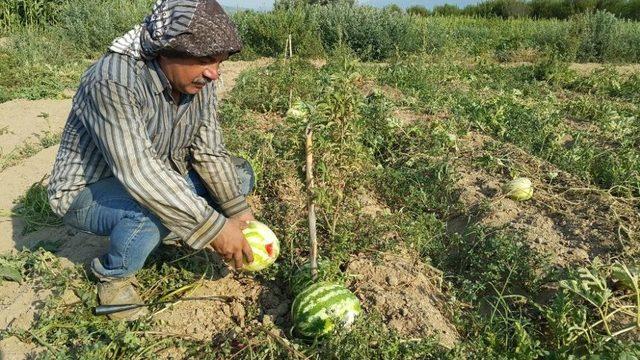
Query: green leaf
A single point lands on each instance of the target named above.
(590, 286)
(628, 277)
(10, 273)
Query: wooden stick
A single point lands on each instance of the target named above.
(312, 212)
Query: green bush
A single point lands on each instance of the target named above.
(266, 34)
(372, 34)
(418, 10)
(91, 26)
(596, 34)
(34, 13)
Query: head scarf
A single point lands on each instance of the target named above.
(181, 27)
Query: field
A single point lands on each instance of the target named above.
(412, 153)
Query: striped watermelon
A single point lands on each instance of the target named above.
(323, 306)
(264, 244)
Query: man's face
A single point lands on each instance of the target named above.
(190, 75)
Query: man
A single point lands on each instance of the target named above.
(142, 154)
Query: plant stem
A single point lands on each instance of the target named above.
(312, 213)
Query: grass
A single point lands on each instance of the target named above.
(34, 208)
(517, 106)
(46, 139)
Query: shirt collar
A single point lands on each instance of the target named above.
(158, 78)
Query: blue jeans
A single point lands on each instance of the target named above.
(105, 208)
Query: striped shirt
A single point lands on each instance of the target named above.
(124, 123)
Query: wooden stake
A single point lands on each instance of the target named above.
(313, 255)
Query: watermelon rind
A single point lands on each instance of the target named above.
(258, 235)
(323, 307)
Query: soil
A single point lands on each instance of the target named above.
(407, 293)
(566, 220)
(206, 319)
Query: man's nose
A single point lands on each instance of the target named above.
(212, 72)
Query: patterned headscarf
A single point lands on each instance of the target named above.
(181, 27)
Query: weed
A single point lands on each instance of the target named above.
(34, 208)
(46, 139)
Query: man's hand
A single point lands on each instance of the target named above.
(231, 244)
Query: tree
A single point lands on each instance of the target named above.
(418, 10)
(328, 2)
(550, 9)
(393, 8)
(446, 10)
(289, 4)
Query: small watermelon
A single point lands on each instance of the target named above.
(298, 110)
(519, 189)
(323, 306)
(264, 244)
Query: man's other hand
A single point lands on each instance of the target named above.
(231, 244)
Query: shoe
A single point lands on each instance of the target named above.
(114, 291)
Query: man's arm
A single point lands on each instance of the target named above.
(115, 124)
(211, 161)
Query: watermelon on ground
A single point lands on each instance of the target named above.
(323, 306)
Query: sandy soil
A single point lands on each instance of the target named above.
(23, 120)
(566, 220)
(407, 293)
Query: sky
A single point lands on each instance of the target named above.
(267, 5)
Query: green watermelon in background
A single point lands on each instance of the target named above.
(323, 306)
(264, 244)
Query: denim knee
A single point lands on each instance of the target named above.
(135, 237)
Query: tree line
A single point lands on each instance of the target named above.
(537, 9)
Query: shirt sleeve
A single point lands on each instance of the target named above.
(116, 126)
(212, 162)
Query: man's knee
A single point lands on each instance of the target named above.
(135, 237)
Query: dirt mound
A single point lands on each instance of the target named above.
(406, 292)
(566, 219)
